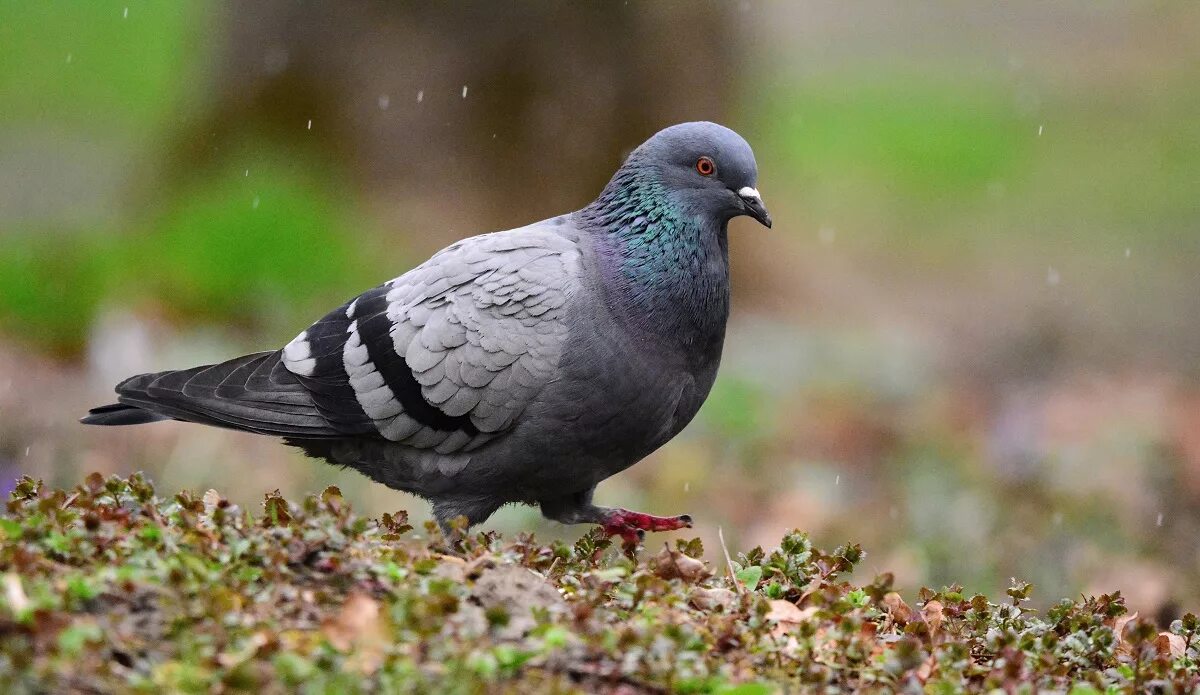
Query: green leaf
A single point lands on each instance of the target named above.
(293, 668)
(82, 588)
(11, 529)
(72, 640)
(58, 543)
(509, 658)
(750, 576)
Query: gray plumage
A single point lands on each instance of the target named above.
(518, 366)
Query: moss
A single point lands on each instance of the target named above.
(113, 587)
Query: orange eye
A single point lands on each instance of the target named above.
(705, 166)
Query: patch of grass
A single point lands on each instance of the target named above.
(110, 587)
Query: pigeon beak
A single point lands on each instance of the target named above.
(753, 205)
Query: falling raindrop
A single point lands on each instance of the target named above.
(310, 124)
(125, 14)
(254, 205)
(837, 479)
(384, 101)
(420, 95)
(1160, 520)
(464, 91)
(247, 173)
(70, 57)
(687, 487)
(27, 453)
(1040, 130)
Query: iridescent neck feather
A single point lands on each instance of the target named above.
(669, 264)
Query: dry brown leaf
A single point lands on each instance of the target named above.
(925, 670)
(787, 615)
(358, 628)
(672, 564)
(1170, 644)
(932, 613)
(1121, 622)
(896, 606)
(1118, 627)
(359, 618)
(713, 599)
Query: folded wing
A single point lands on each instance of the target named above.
(447, 356)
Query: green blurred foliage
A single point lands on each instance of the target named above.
(926, 144)
(258, 240)
(266, 250)
(49, 291)
(244, 246)
(103, 66)
(896, 153)
(737, 408)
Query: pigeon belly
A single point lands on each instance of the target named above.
(617, 400)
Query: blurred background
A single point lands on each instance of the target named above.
(971, 342)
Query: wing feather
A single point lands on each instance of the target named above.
(450, 354)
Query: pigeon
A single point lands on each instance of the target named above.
(522, 366)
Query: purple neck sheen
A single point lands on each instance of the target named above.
(668, 268)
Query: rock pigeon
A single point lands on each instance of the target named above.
(522, 366)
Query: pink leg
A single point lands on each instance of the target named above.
(632, 526)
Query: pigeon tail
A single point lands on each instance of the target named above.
(117, 414)
(253, 393)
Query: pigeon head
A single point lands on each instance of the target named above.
(705, 168)
(662, 230)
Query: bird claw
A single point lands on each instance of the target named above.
(632, 526)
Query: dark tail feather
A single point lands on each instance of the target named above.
(120, 414)
(254, 393)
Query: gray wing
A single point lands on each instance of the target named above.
(447, 356)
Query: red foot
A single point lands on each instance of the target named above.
(632, 526)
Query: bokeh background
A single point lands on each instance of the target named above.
(971, 342)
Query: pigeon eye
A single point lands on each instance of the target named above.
(705, 166)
